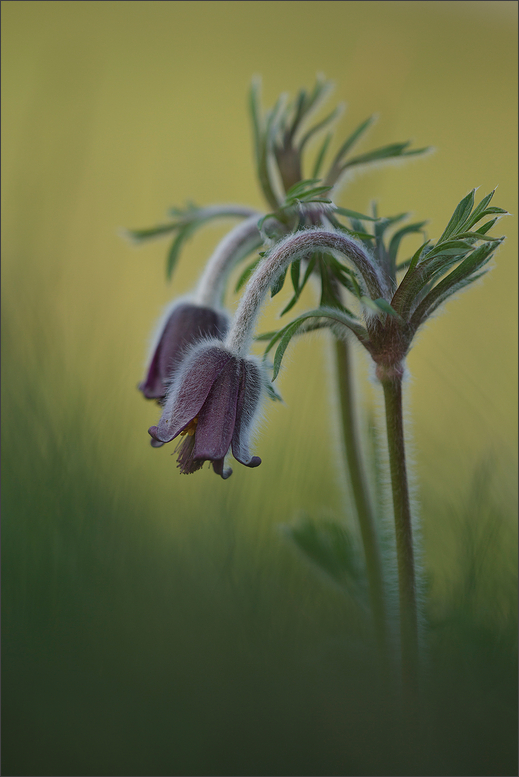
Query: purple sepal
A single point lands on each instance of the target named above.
(218, 468)
(185, 324)
(190, 389)
(249, 394)
(217, 417)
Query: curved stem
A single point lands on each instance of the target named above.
(360, 491)
(236, 244)
(283, 254)
(392, 386)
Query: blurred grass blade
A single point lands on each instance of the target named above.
(332, 550)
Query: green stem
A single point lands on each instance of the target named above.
(360, 491)
(392, 385)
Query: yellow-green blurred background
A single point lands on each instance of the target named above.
(151, 620)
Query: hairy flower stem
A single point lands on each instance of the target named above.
(392, 386)
(236, 244)
(360, 492)
(288, 250)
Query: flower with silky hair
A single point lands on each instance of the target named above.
(212, 404)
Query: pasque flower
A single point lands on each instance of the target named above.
(210, 387)
(212, 403)
(185, 323)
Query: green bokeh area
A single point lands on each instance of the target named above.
(157, 624)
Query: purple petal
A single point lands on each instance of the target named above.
(217, 416)
(249, 393)
(193, 382)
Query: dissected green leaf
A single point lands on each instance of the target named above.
(267, 150)
(264, 218)
(426, 265)
(432, 261)
(385, 307)
(299, 111)
(487, 212)
(362, 236)
(336, 167)
(353, 214)
(290, 304)
(309, 269)
(246, 274)
(470, 265)
(304, 106)
(320, 90)
(328, 292)
(385, 152)
(320, 155)
(474, 236)
(266, 336)
(278, 283)
(430, 271)
(317, 127)
(182, 213)
(346, 276)
(187, 221)
(140, 235)
(294, 274)
(290, 331)
(306, 191)
(454, 289)
(383, 223)
(286, 333)
(297, 294)
(379, 306)
(284, 336)
(313, 195)
(447, 247)
(272, 393)
(177, 245)
(480, 207)
(263, 132)
(299, 187)
(460, 215)
(486, 227)
(358, 227)
(412, 280)
(396, 238)
(474, 261)
(404, 265)
(288, 142)
(255, 111)
(479, 211)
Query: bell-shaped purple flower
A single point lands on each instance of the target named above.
(212, 403)
(184, 324)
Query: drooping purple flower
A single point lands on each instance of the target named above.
(184, 324)
(212, 403)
